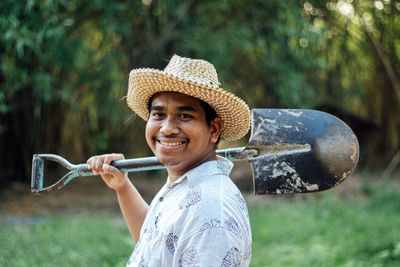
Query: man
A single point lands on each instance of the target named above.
(199, 217)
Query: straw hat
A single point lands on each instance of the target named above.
(193, 77)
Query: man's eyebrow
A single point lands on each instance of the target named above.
(158, 108)
(186, 108)
(180, 108)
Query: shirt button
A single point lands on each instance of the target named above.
(161, 198)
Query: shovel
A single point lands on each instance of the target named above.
(289, 150)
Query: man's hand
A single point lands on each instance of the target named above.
(114, 178)
(133, 207)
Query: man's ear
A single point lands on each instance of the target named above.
(216, 128)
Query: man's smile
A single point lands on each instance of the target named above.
(171, 143)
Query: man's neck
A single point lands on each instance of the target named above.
(174, 174)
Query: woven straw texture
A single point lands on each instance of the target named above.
(193, 77)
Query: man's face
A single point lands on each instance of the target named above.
(178, 134)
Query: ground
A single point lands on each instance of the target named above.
(353, 224)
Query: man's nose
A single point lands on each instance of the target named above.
(169, 127)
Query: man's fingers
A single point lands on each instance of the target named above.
(89, 162)
(108, 169)
(107, 160)
(96, 163)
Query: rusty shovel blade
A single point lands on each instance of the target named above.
(290, 151)
(300, 151)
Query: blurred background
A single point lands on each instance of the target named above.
(64, 69)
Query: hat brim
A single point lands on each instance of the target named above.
(234, 112)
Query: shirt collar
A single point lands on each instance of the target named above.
(220, 166)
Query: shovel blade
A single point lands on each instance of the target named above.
(300, 151)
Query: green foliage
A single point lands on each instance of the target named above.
(64, 65)
(66, 241)
(328, 231)
(360, 48)
(255, 45)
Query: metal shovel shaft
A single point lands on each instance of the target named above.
(127, 165)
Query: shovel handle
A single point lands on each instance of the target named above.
(126, 165)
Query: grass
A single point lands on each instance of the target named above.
(329, 232)
(85, 240)
(322, 230)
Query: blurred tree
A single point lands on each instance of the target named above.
(361, 49)
(259, 49)
(54, 65)
(34, 56)
(64, 65)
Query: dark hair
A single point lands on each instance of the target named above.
(209, 111)
(210, 116)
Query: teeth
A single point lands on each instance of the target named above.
(170, 144)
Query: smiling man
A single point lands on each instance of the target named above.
(178, 134)
(199, 217)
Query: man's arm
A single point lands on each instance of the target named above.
(132, 205)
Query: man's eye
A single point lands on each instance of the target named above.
(185, 116)
(157, 115)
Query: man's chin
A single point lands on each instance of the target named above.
(168, 161)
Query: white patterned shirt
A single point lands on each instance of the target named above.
(201, 219)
